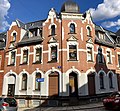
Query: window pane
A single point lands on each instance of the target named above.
(37, 84)
(53, 30)
(110, 81)
(12, 58)
(38, 55)
(108, 57)
(54, 53)
(72, 28)
(25, 56)
(72, 52)
(101, 81)
(24, 81)
(89, 50)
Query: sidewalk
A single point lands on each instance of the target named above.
(64, 108)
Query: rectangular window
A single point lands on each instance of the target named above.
(38, 55)
(119, 60)
(12, 62)
(72, 52)
(101, 36)
(108, 57)
(54, 53)
(25, 56)
(14, 36)
(89, 54)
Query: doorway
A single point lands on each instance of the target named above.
(73, 84)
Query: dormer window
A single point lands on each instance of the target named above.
(72, 28)
(101, 35)
(53, 30)
(88, 31)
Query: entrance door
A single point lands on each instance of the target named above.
(54, 84)
(11, 89)
(73, 84)
(91, 84)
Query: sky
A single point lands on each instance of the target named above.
(105, 13)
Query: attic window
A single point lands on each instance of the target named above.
(101, 35)
(14, 37)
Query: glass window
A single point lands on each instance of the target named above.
(37, 84)
(89, 52)
(12, 58)
(53, 30)
(54, 53)
(24, 81)
(110, 80)
(38, 55)
(25, 56)
(14, 37)
(72, 28)
(100, 56)
(72, 52)
(101, 76)
(108, 57)
(119, 60)
(88, 31)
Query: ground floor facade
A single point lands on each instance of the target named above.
(71, 83)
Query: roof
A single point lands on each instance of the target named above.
(108, 40)
(70, 7)
(29, 40)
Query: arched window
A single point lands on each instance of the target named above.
(89, 31)
(72, 28)
(24, 81)
(100, 58)
(37, 84)
(101, 77)
(110, 80)
(53, 30)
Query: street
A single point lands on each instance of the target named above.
(87, 107)
(72, 108)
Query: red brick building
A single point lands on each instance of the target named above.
(75, 57)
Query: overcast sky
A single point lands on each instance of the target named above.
(105, 13)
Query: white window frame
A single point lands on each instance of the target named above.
(22, 50)
(72, 43)
(108, 50)
(49, 51)
(9, 59)
(34, 57)
(92, 47)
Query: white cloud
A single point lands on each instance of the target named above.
(110, 24)
(4, 7)
(107, 9)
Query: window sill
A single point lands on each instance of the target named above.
(24, 64)
(52, 61)
(102, 89)
(37, 62)
(52, 35)
(72, 60)
(109, 63)
(90, 61)
(72, 33)
(11, 65)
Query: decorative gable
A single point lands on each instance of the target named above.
(72, 38)
(90, 41)
(52, 40)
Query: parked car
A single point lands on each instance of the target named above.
(8, 104)
(112, 101)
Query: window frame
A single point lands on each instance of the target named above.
(24, 82)
(72, 28)
(90, 52)
(101, 80)
(37, 88)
